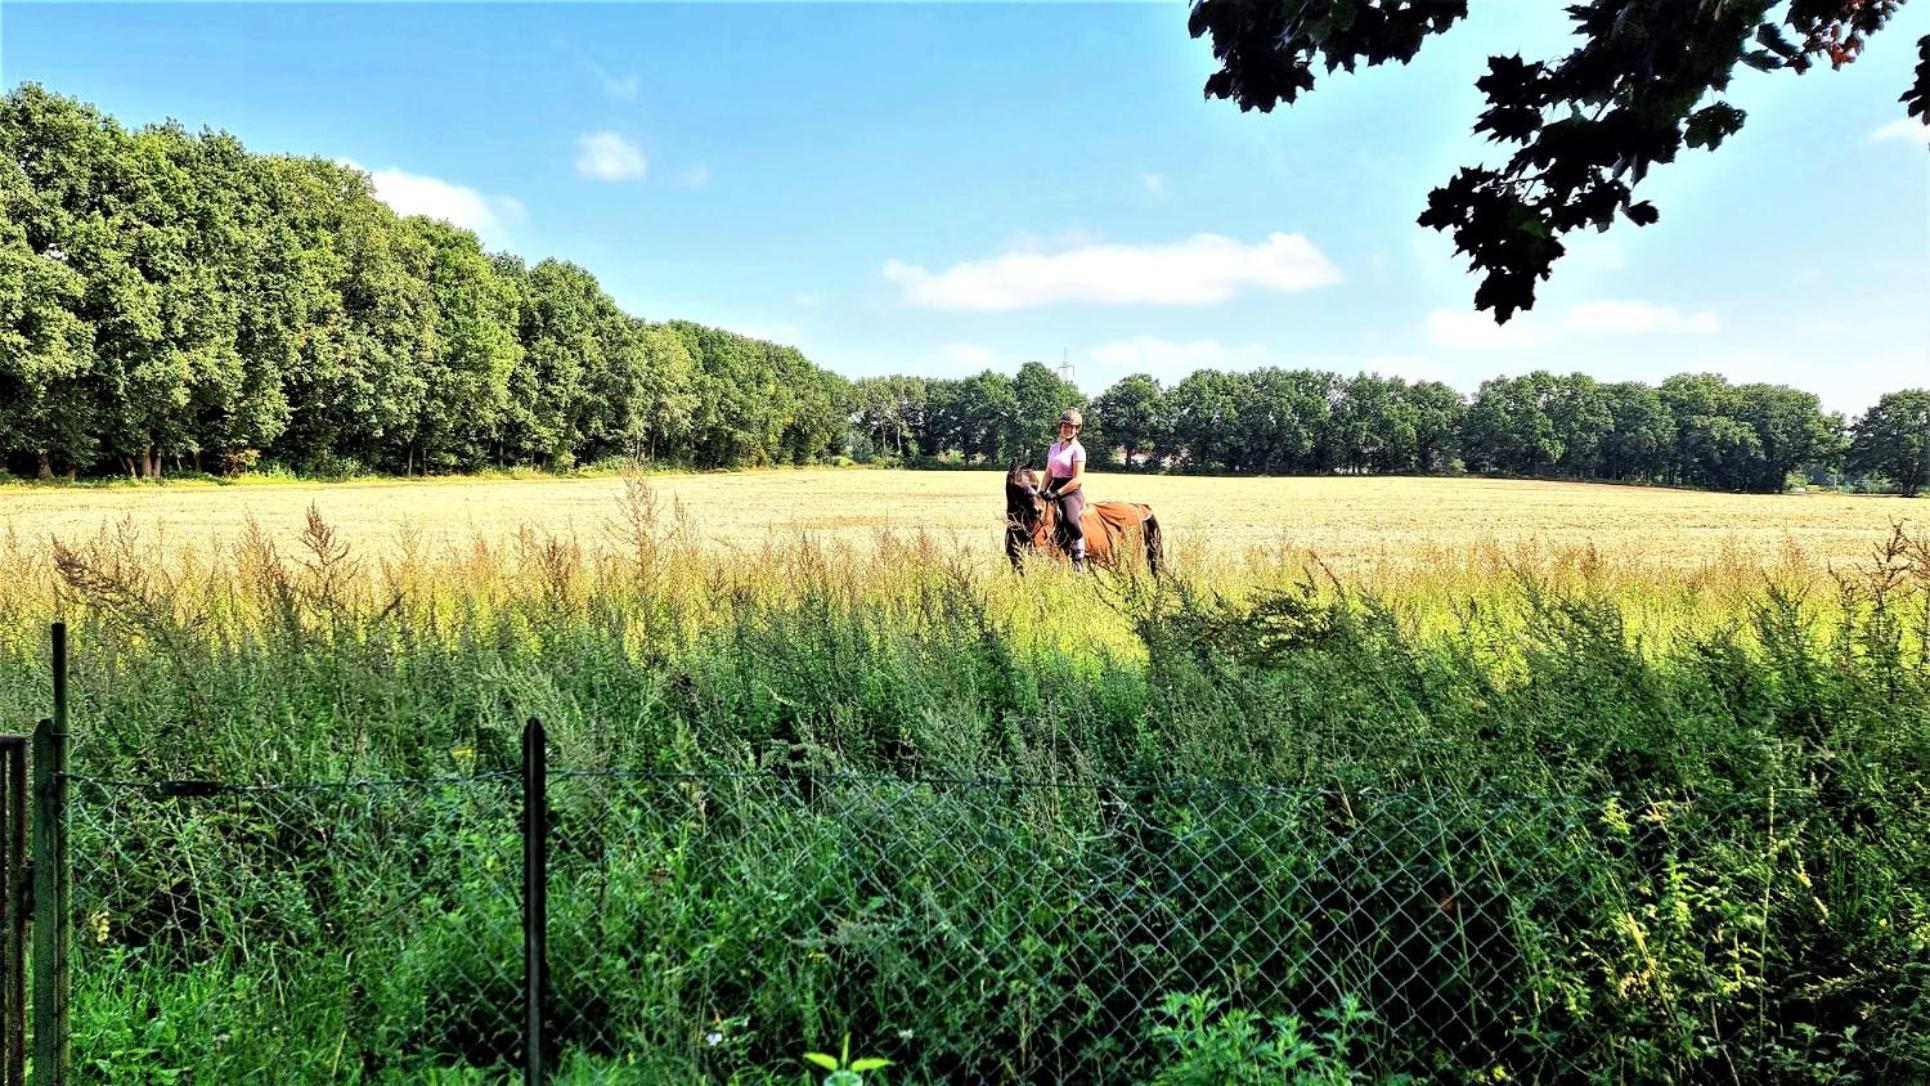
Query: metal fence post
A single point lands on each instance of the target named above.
(535, 899)
(51, 882)
(13, 910)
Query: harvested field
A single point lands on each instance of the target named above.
(1353, 524)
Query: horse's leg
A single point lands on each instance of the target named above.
(1151, 536)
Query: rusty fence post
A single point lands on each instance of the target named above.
(535, 901)
(14, 903)
(51, 882)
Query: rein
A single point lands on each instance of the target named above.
(1034, 522)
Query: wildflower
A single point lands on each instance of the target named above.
(101, 925)
(463, 754)
(713, 1038)
(905, 1035)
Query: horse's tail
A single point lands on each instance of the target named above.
(1152, 541)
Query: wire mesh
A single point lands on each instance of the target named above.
(705, 927)
(716, 927)
(309, 933)
(982, 932)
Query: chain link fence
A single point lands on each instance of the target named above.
(715, 927)
(985, 932)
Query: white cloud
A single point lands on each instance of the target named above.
(1202, 270)
(1155, 183)
(459, 205)
(694, 177)
(1904, 130)
(607, 156)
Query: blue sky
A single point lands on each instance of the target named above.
(939, 188)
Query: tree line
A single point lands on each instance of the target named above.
(1691, 430)
(169, 300)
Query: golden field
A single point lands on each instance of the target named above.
(1352, 524)
(1674, 561)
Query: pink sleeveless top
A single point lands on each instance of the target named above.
(1061, 457)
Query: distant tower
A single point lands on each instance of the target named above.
(1065, 370)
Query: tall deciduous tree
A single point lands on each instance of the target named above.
(1792, 430)
(670, 388)
(1892, 439)
(1135, 414)
(564, 369)
(1286, 420)
(985, 419)
(1579, 411)
(1509, 427)
(889, 411)
(1207, 432)
(476, 349)
(46, 351)
(1041, 395)
(1438, 415)
(1374, 427)
(1713, 446)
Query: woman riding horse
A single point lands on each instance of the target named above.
(1065, 469)
(1057, 518)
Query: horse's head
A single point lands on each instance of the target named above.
(1028, 517)
(1022, 501)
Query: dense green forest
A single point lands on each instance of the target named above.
(170, 301)
(1693, 429)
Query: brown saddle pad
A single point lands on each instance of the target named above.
(1118, 516)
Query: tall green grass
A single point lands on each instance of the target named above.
(1750, 747)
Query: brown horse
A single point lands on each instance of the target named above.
(1031, 524)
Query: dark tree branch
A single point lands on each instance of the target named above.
(1587, 128)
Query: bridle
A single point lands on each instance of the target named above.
(1034, 520)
